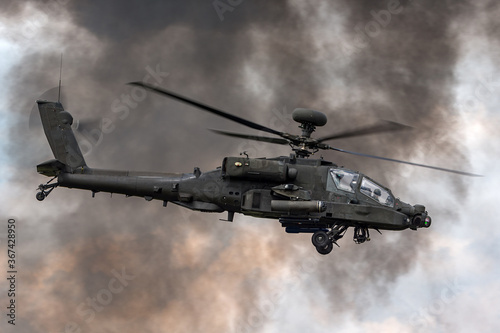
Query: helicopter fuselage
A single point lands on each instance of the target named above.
(306, 195)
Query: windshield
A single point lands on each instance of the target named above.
(376, 192)
(344, 180)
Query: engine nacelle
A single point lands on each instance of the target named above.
(257, 169)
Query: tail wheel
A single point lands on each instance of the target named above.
(40, 196)
(45, 189)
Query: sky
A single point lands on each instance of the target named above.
(116, 264)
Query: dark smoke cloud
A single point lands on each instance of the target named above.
(408, 64)
(192, 272)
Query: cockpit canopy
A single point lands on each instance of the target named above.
(344, 180)
(353, 182)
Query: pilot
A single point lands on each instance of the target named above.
(376, 194)
(354, 182)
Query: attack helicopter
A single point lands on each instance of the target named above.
(305, 195)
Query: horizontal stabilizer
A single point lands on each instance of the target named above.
(50, 168)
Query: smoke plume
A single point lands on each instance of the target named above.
(357, 61)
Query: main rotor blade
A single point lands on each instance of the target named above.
(208, 108)
(252, 137)
(385, 126)
(404, 162)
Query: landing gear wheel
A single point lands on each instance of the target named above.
(320, 239)
(45, 189)
(325, 249)
(40, 196)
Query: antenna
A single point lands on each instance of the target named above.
(60, 75)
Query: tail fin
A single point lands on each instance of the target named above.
(57, 126)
